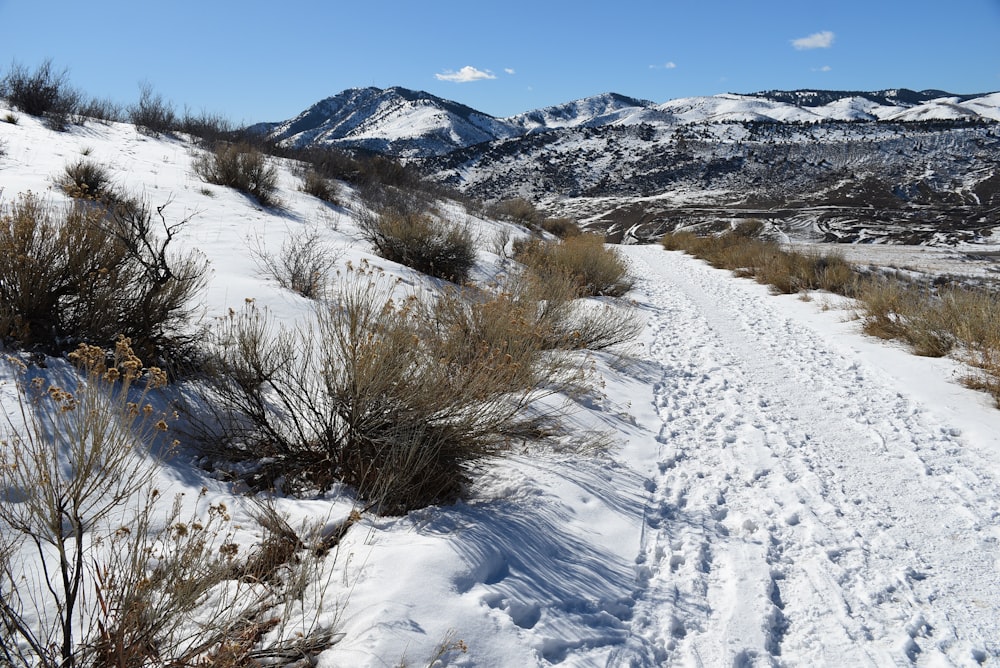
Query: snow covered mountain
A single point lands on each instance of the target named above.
(590, 111)
(415, 124)
(897, 165)
(396, 121)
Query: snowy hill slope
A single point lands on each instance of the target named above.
(777, 489)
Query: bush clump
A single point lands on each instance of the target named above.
(94, 571)
(561, 227)
(102, 110)
(91, 273)
(243, 167)
(595, 269)
(44, 93)
(207, 126)
(320, 187)
(152, 114)
(421, 240)
(304, 264)
(85, 179)
(395, 395)
(517, 210)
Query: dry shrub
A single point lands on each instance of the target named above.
(70, 468)
(595, 269)
(680, 241)
(152, 114)
(561, 227)
(102, 110)
(207, 126)
(100, 578)
(303, 264)
(243, 167)
(517, 210)
(92, 273)
(398, 398)
(565, 322)
(317, 185)
(85, 179)
(420, 240)
(45, 93)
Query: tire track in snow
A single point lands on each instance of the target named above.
(805, 511)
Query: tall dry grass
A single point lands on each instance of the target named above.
(933, 321)
(745, 252)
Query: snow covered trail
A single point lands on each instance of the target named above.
(805, 509)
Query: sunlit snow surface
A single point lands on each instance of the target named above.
(779, 490)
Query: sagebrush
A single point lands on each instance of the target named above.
(419, 238)
(152, 114)
(243, 167)
(595, 269)
(393, 394)
(44, 92)
(90, 273)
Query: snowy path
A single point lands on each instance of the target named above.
(805, 510)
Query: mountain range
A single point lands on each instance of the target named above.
(849, 166)
(415, 124)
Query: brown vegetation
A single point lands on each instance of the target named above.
(933, 320)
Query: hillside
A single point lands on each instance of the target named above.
(751, 482)
(842, 181)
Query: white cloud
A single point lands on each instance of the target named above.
(825, 68)
(509, 70)
(665, 66)
(464, 75)
(819, 40)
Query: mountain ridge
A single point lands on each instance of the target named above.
(409, 124)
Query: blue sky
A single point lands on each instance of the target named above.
(255, 61)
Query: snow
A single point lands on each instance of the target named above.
(413, 123)
(776, 488)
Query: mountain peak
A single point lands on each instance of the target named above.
(392, 120)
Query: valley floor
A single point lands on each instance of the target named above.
(784, 492)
